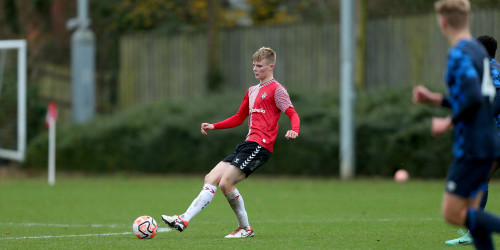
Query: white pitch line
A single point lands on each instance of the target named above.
(346, 220)
(29, 224)
(327, 220)
(159, 230)
(63, 236)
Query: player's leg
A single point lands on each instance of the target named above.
(212, 179)
(466, 238)
(228, 187)
(249, 158)
(482, 238)
(484, 200)
(207, 193)
(454, 208)
(465, 181)
(454, 211)
(471, 178)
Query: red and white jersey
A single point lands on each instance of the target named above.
(266, 102)
(263, 103)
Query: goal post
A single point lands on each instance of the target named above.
(13, 74)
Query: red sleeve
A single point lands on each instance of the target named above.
(294, 119)
(236, 119)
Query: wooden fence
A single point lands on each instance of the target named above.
(403, 50)
(54, 84)
(155, 67)
(412, 50)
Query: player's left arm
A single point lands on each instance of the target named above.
(467, 95)
(282, 100)
(295, 121)
(495, 75)
(441, 125)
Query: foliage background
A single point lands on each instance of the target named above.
(165, 137)
(391, 132)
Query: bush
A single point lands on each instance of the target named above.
(165, 137)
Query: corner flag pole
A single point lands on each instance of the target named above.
(51, 123)
(347, 95)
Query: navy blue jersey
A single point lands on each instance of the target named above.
(471, 110)
(495, 75)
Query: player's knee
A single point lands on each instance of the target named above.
(223, 187)
(453, 217)
(450, 219)
(226, 186)
(211, 179)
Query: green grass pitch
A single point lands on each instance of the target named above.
(286, 213)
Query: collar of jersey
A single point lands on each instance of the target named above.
(266, 83)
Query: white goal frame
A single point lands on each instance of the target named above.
(21, 47)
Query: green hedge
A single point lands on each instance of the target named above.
(165, 137)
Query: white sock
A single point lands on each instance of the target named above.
(204, 198)
(236, 201)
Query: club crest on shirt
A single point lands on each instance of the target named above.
(263, 97)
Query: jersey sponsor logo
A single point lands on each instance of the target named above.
(263, 111)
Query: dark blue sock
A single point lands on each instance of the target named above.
(487, 221)
(482, 237)
(484, 200)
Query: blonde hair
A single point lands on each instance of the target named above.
(265, 53)
(455, 12)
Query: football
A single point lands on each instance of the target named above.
(145, 227)
(401, 175)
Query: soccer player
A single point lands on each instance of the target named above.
(470, 93)
(263, 103)
(490, 44)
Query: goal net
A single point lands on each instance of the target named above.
(12, 99)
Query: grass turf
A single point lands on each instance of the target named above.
(286, 213)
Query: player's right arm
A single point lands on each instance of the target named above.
(423, 95)
(232, 121)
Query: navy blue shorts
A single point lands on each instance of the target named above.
(466, 178)
(248, 157)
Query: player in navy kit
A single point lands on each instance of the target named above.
(471, 93)
(263, 103)
(490, 44)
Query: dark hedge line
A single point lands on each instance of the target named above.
(391, 133)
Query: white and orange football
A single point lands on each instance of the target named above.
(145, 227)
